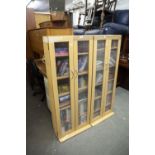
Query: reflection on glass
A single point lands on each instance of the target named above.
(62, 65)
(83, 63)
(63, 86)
(64, 100)
(82, 105)
(83, 49)
(108, 102)
(83, 46)
(63, 82)
(83, 95)
(98, 91)
(83, 81)
(111, 73)
(113, 56)
(61, 49)
(114, 43)
(97, 107)
(82, 111)
(100, 44)
(110, 85)
(99, 76)
(112, 64)
(65, 116)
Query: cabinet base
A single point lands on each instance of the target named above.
(102, 119)
(74, 133)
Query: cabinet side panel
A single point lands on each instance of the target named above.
(116, 73)
(50, 86)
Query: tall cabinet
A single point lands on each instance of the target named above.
(81, 73)
(105, 67)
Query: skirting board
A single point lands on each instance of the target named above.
(74, 133)
(102, 119)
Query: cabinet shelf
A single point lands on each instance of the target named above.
(98, 84)
(60, 56)
(113, 48)
(63, 94)
(99, 69)
(108, 104)
(97, 97)
(83, 114)
(64, 105)
(84, 53)
(81, 100)
(110, 80)
(83, 88)
(109, 92)
(97, 110)
(100, 50)
(62, 77)
(83, 73)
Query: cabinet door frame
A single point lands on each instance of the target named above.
(52, 40)
(96, 39)
(110, 39)
(50, 86)
(90, 54)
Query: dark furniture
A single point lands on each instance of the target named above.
(116, 22)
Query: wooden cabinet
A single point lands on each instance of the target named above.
(81, 73)
(105, 67)
(36, 35)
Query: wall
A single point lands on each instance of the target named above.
(30, 24)
(122, 5)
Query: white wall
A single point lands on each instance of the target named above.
(122, 5)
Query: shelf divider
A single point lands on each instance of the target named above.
(83, 73)
(83, 88)
(84, 53)
(62, 77)
(63, 94)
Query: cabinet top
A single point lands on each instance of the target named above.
(49, 39)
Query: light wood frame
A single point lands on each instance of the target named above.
(96, 39)
(116, 71)
(90, 51)
(104, 115)
(49, 52)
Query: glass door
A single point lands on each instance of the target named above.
(62, 69)
(112, 72)
(83, 48)
(99, 61)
